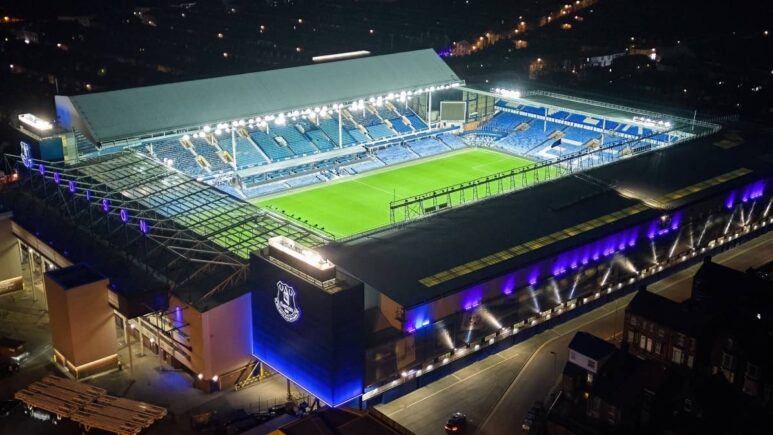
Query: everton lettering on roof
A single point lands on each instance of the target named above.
(131, 113)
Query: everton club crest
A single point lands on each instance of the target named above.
(285, 302)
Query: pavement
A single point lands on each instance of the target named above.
(151, 381)
(497, 392)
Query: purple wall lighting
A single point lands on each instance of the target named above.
(753, 191)
(534, 275)
(105, 205)
(573, 259)
(57, 177)
(508, 285)
(730, 201)
(27, 162)
(472, 297)
(71, 186)
(88, 195)
(417, 319)
(144, 227)
(42, 169)
(124, 215)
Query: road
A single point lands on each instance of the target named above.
(497, 392)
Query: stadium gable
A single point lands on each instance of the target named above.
(124, 114)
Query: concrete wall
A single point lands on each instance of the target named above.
(220, 339)
(228, 336)
(81, 338)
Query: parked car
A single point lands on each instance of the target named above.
(456, 423)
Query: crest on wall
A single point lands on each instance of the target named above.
(285, 302)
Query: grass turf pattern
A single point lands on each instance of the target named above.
(355, 204)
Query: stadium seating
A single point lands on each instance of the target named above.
(209, 152)
(358, 136)
(399, 126)
(504, 122)
(320, 140)
(246, 153)
(298, 143)
(379, 131)
(580, 135)
(561, 114)
(303, 180)
(452, 140)
(365, 166)
(269, 146)
(533, 110)
(330, 127)
(416, 122)
(266, 189)
(395, 154)
(170, 150)
(428, 146)
(365, 117)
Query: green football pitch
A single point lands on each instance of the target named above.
(355, 204)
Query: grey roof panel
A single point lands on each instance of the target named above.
(127, 113)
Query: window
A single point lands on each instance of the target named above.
(689, 361)
(634, 321)
(630, 337)
(642, 342)
(677, 356)
(590, 378)
(649, 345)
(658, 347)
(661, 333)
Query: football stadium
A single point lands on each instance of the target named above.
(362, 227)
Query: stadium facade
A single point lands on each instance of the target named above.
(156, 190)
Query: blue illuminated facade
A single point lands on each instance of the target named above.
(312, 336)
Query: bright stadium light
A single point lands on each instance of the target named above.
(186, 137)
(280, 120)
(207, 128)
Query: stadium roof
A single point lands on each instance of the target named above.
(123, 114)
(432, 257)
(196, 239)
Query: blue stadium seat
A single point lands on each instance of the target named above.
(580, 135)
(320, 140)
(247, 155)
(209, 152)
(395, 154)
(428, 146)
(533, 110)
(452, 140)
(269, 146)
(416, 122)
(400, 126)
(171, 149)
(379, 131)
(330, 127)
(358, 136)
